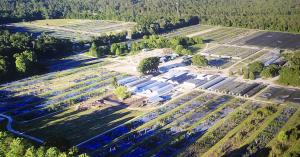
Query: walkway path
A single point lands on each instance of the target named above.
(10, 129)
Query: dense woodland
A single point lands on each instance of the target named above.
(262, 14)
(290, 73)
(11, 146)
(21, 54)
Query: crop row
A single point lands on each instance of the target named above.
(269, 132)
(219, 131)
(25, 83)
(42, 94)
(131, 140)
(106, 138)
(238, 136)
(177, 126)
(56, 96)
(61, 105)
(182, 140)
(53, 103)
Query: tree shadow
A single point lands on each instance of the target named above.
(77, 126)
(205, 41)
(9, 103)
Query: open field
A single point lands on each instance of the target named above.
(271, 40)
(72, 28)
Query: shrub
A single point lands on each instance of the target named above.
(122, 93)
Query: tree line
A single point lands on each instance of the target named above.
(258, 14)
(180, 45)
(11, 146)
(21, 54)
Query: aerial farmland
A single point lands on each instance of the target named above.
(182, 110)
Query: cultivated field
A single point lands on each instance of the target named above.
(72, 28)
(230, 52)
(271, 40)
(193, 122)
(52, 106)
(221, 116)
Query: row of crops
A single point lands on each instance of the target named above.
(187, 30)
(270, 39)
(230, 51)
(195, 124)
(35, 97)
(224, 34)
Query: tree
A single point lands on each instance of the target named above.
(251, 76)
(52, 152)
(93, 50)
(245, 73)
(118, 52)
(25, 61)
(114, 82)
(122, 92)
(199, 61)
(256, 67)
(282, 136)
(40, 152)
(290, 74)
(3, 67)
(148, 65)
(113, 48)
(16, 148)
(270, 71)
(30, 152)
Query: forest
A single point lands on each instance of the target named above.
(275, 15)
(21, 54)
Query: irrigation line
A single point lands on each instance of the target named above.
(10, 129)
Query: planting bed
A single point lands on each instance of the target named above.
(220, 130)
(258, 144)
(224, 34)
(229, 86)
(165, 125)
(237, 136)
(271, 40)
(187, 30)
(280, 95)
(72, 29)
(230, 52)
(103, 139)
(179, 126)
